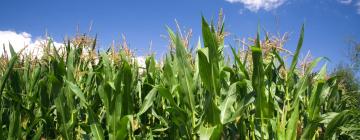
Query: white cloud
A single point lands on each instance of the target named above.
(358, 6)
(255, 5)
(21, 40)
(141, 61)
(352, 4)
(17, 40)
(345, 1)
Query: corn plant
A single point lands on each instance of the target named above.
(79, 93)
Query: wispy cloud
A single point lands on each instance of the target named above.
(345, 1)
(256, 5)
(21, 40)
(358, 7)
(351, 3)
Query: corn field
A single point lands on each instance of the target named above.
(77, 92)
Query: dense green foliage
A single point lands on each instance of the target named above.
(74, 94)
(348, 75)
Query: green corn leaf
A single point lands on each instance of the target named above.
(296, 56)
(127, 99)
(241, 66)
(205, 68)
(4, 78)
(210, 133)
(38, 134)
(125, 124)
(227, 104)
(70, 65)
(63, 116)
(164, 92)
(262, 101)
(96, 129)
(291, 129)
(212, 112)
(336, 122)
(214, 55)
(241, 106)
(184, 71)
(149, 99)
(77, 91)
(310, 130)
(14, 126)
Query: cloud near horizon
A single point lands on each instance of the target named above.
(35, 47)
(256, 5)
(20, 40)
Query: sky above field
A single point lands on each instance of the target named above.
(328, 23)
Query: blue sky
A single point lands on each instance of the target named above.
(328, 23)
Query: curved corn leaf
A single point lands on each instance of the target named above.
(149, 99)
